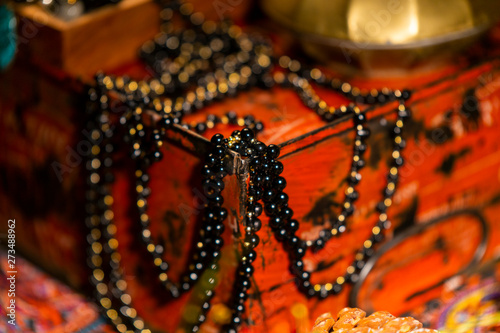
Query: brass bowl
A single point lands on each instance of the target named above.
(384, 34)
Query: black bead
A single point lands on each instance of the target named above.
(273, 151)
(219, 228)
(381, 98)
(252, 255)
(256, 175)
(248, 152)
(368, 252)
(299, 251)
(359, 264)
(232, 117)
(243, 283)
(348, 211)
(219, 151)
(218, 199)
(136, 153)
(239, 309)
(206, 171)
(360, 164)
(325, 234)
(387, 193)
(255, 193)
(255, 162)
(354, 180)
(212, 160)
(253, 240)
(293, 241)
(259, 147)
(318, 244)
(236, 133)
(398, 162)
(210, 214)
(236, 321)
(406, 94)
(359, 118)
(237, 147)
(277, 168)
(281, 199)
(246, 270)
(292, 226)
(360, 149)
(219, 183)
(396, 131)
(213, 118)
(222, 213)
(364, 133)
(144, 178)
(220, 171)
(328, 117)
(210, 188)
(305, 276)
(281, 234)
(269, 195)
(279, 183)
(166, 122)
(249, 119)
(217, 139)
(257, 224)
(353, 196)
(404, 114)
(257, 209)
(241, 297)
(271, 208)
(259, 127)
(286, 213)
(267, 181)
(201, 128)
(276, 222)
(297, 267)
(337, 288)
(377, 238)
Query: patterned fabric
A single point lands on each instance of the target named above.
(468, 303)
(43, 304)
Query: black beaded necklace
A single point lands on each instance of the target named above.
(219, 60)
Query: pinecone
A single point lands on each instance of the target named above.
(353, 320)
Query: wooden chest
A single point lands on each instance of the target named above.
(444, 213)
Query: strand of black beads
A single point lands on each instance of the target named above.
(209, 88)
(145, 157)
(113, 295)
(383, 223)
(374, 96)
(284, 226)
(102, 243)
(309, 97)
(209, 240)
(358, 95)
(353, 178)
(244, 143)
(223, 49)
(204, 296)
(229, 118)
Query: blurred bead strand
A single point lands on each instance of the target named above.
(110, 293)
